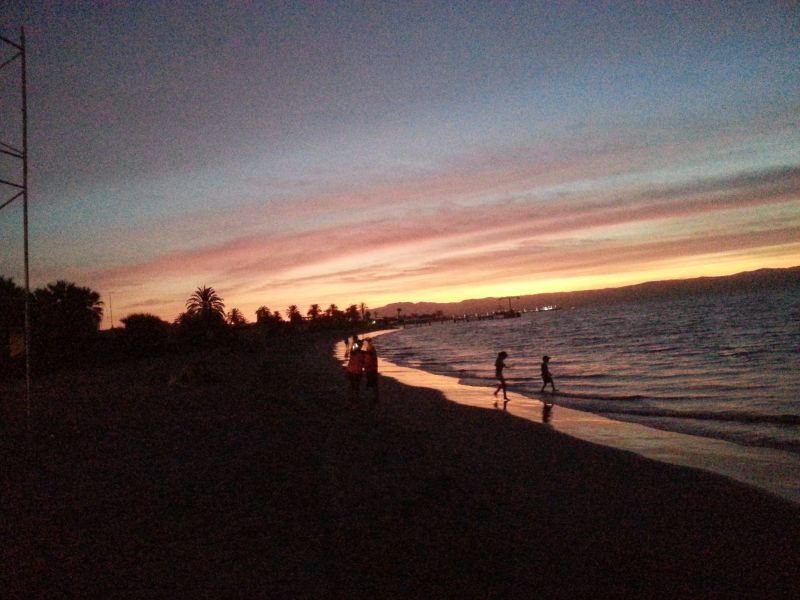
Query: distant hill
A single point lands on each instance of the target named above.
(675, 288)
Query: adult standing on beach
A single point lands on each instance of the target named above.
(354, 369)
(499, 365)
(348, 347)
(370, 363)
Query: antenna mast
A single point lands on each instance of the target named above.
(20, 189)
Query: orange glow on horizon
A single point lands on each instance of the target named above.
(688, 268)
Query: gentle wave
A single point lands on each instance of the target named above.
(602, 397)
(728, 417)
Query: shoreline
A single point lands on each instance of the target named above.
(771, 470)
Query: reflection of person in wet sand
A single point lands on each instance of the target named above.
(499, 365)
(547, 413)
(547, 377)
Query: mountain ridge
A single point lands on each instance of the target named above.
(668, 288)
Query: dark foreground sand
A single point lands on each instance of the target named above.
(266, 484)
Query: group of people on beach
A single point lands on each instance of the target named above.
(362, 362)
(500, 365)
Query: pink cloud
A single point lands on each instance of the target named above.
(516, 219)
(509, 237)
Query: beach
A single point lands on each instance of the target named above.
(257, 478)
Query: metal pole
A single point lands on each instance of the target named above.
(25, 223)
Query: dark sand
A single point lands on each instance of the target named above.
(266, 483)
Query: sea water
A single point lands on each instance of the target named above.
(715, 365)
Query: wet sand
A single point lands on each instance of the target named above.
(264, 482)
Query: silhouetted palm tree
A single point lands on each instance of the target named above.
(204, 316)
(65, 322)
(80, 308)
(352, 313)
(314, 312)
(206, 303)
(236, 318)
(294, 314)
(268, 319)
(263, 313)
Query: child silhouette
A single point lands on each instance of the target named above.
(547, 376)
(499, 365)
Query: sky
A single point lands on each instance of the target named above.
(338, 153)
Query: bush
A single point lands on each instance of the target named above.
(145, 333)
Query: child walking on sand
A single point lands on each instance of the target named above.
(547, 377)
(499, 365)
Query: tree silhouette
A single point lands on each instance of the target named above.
(314, 312)
(144, 332)
(293, 313)
(206, 303)
(263, 314)
(66, 305)
(205, 314)
(66, 320)
(236, 318)
(334, 315)
(268, 320)
(12, 314)
(12, 301)
(352, 313)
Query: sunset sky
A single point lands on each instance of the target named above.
(299, 153)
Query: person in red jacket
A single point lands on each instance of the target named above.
(370, 363)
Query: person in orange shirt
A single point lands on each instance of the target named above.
(354, 369)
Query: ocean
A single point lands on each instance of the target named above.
(722, 366)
